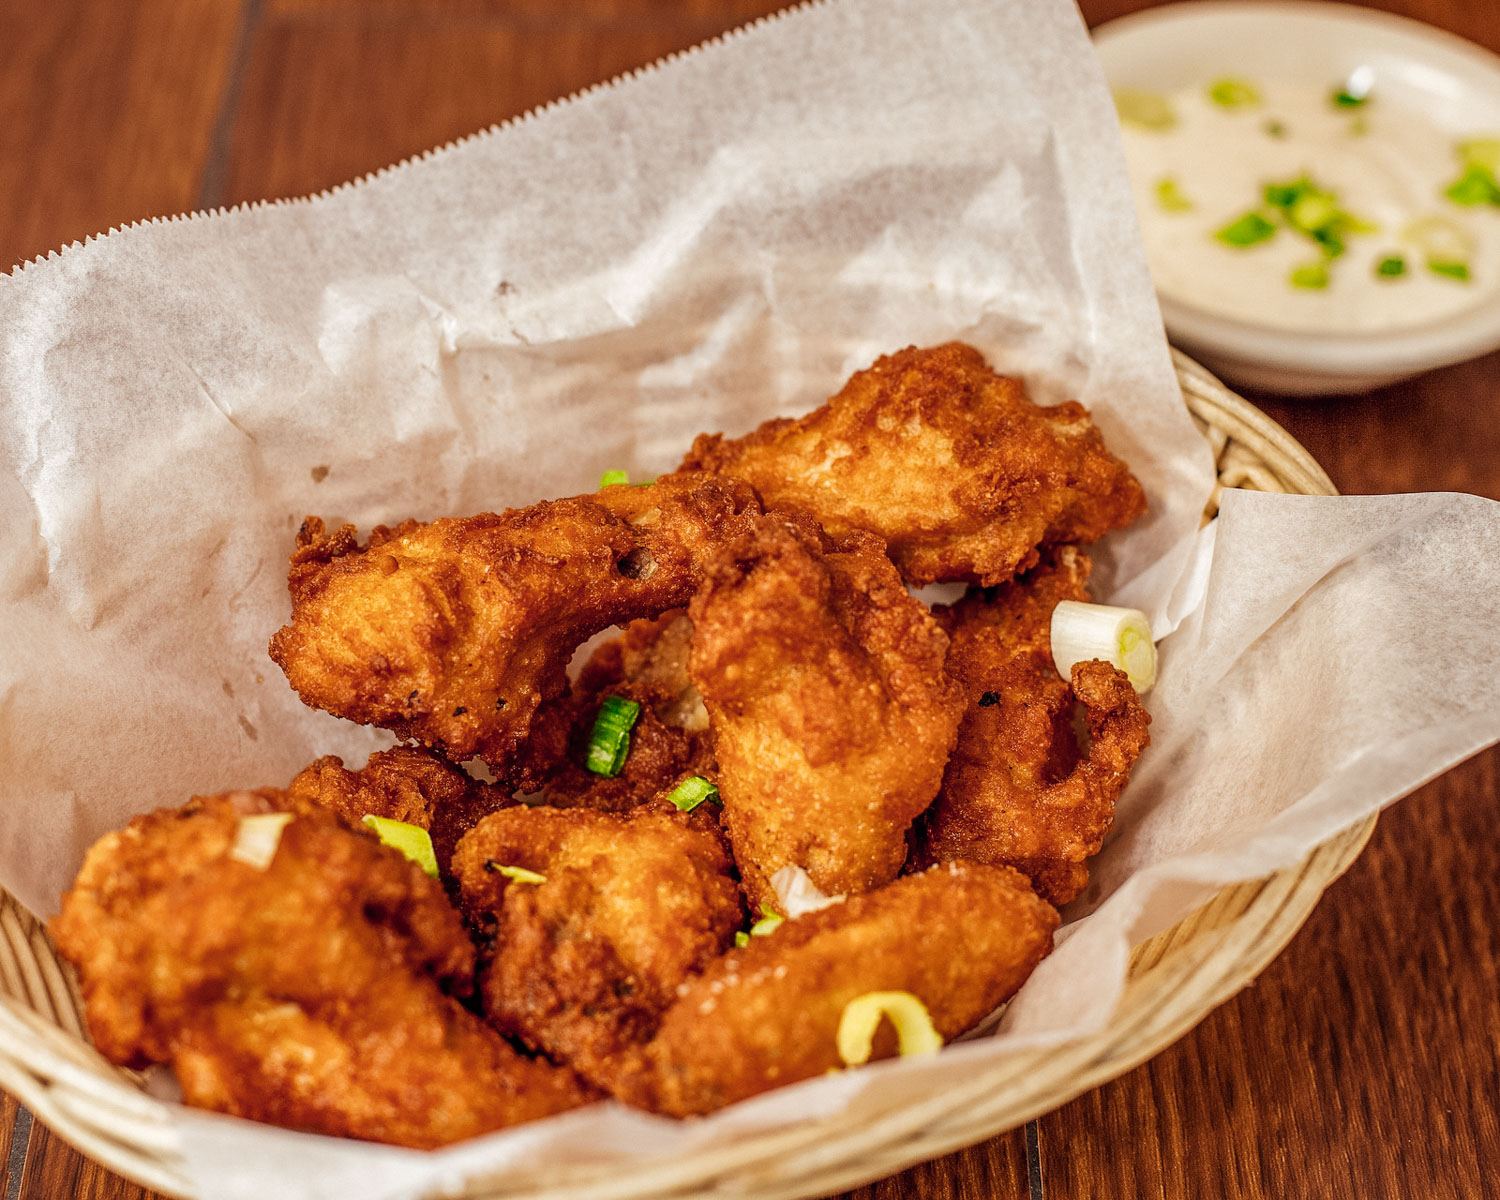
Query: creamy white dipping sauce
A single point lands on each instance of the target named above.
(1387, 168)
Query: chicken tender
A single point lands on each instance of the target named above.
(453, 633)
(953, 465)
(1017, 790)
(961, 938)
(316, 992)
(582, 964)
(404, 784)
(830, 712)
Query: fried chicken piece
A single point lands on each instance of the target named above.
(1017, 791)
(961, 938)
(952, 464)
(830, 712)
(404, 784)
(453, 633)
(315, 993)
(583, 965)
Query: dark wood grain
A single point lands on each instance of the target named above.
(106, 112)
(1363, 1062)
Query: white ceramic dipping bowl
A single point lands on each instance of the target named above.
(1449, 82)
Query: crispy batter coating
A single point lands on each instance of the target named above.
(405, 784)
(1016, 790)
(952, 464)
(453, 633)
(961, 938)
(583, 965)
(316, 993)
(831, 715)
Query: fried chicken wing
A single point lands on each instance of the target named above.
(453, 633)
(583, 964)
(953, 465)
(961, 938)
(315, 992)
(1017, 790)
(654, 655)
(830, 712)
(404, 784)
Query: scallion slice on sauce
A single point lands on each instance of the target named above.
(1392, 266)
(1169, 196)
(1477, 185)
(515, 874)
(1449, 269)
(1145, 110)
(1312, 276)
(915, 1032)
(411, 840)
(609, 743)
(692, 792)
(1230, 92)
(1250, 229)
(1120, 636)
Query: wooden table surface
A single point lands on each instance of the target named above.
(1365, 1062)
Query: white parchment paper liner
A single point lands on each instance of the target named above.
(713, 242)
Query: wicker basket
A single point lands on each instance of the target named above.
(1176, 979)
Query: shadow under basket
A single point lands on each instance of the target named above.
(1175, 980)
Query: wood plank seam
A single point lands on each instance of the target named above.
(216, 162)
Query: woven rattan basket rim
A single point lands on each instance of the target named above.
(1176, 979)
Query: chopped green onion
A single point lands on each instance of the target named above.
(1311, 276)
(1343, 98)
(768, 924)
(1234, 93)
(915, 1032)
(1449, 269)
(609, 742)
(515, 874)
(1391, 267)
(411, 840)
(1480, 152)
(1169, 196)
(692, 792)
(1440, 238)
(1275, 129)
(1145, 110)
(614, 479)
(1477, 185)
(1120, 636)
(1313, 210)
(257, 837)
(1247, 230)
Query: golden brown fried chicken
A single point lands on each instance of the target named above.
(961, 938)
(453, 633)
(1017, 791)
(830, 712)
(960, 473)
(584, 963)
(404, 784)
(315, 992)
